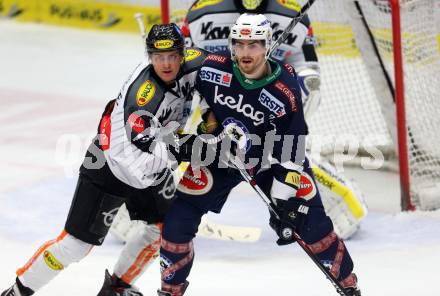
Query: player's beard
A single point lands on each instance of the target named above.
(252, 67)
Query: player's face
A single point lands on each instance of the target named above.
(166, 64)
(250, 55)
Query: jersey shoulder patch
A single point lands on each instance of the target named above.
(204, 7)
(146, 93)
(193, 60)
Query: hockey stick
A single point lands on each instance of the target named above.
(292, 233)
(289, 28)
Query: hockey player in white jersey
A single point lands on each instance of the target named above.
(128, 162)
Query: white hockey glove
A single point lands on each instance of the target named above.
(310, 82)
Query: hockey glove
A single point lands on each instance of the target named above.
(292, 214)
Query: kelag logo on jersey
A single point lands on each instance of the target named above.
(216, 76)
(232, 103)
(272, 103)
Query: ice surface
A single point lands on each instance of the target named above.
(54, 84)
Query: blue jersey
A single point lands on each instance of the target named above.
(272, 104)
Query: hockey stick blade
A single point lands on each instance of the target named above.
(209, 229)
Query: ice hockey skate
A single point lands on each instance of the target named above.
(17, 290)
(113, 286)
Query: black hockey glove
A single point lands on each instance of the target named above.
(292, 214)
(182, 146)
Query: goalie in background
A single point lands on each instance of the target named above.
(208, 26)
(128, 162)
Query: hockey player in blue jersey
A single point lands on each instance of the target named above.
(259, 101)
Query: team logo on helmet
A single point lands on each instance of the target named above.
(192, 54)
(163, 44)
(145, 93)
(245, 31)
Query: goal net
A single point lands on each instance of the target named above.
(356, 88)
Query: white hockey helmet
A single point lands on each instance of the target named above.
(251, 27)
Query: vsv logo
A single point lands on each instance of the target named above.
(237, 105)
(216, 76)
(272, 103)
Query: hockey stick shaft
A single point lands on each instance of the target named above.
(297, 238)
(291, 25)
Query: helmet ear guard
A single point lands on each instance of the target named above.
(163, 38)
(251, 27)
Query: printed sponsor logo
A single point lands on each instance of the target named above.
(163, 44)
(243, 127)
(109, 216)
(145, 93)
(209, 32)
(169, 188)
(136, 123)
(97, 16)
(216, 58)
(322, 179)
(289, 68)
(272, 103)
(216, 76)
(307, 188)
(165, 263)
(288, 93)
(291, 4)
(237, 105)
(196, 183)
(293, 178)
(51, 261)
(245, 31)
(265, 22)
(192, 54)
(203, 3)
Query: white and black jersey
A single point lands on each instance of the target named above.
(128, 132)
(208, 26)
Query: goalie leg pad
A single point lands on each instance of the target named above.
(51, 258)
(92, 212)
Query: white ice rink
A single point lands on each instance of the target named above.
(54, 84)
